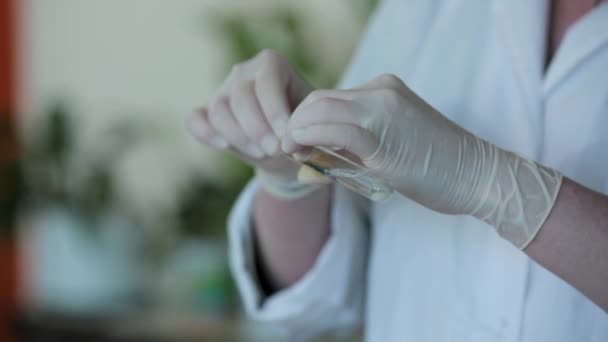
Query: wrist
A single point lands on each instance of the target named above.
(515, 195)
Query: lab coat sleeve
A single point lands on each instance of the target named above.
(329, 298)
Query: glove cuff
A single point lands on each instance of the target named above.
(282, 188)
(521, 194)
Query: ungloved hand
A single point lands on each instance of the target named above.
(427, 157)
(248, 115)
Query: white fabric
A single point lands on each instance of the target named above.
(432, 277)
(311, 306)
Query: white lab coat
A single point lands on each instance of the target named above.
(416, 275)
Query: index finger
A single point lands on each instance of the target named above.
(271, 90)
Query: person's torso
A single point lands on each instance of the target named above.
(434, 277)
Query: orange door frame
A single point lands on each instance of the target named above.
(8, 152)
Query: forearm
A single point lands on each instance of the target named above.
(559, 223)
(290, 234)
(573, 242)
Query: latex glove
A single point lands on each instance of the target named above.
(248, 115)
(427, 157)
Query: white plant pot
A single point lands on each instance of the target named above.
(72, 267)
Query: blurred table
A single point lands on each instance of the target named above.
(153, 327)
(61, 327)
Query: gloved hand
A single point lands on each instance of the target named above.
(427, 157)
(249, 114)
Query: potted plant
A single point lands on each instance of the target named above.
(81, 249)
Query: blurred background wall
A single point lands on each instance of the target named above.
(156, 60)
(121, 215)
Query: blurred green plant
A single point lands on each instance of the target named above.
(283, 30)
(11, 177)
(47, 154)
(215, 292)
(49, 164)
(365, 8)
(204, 205)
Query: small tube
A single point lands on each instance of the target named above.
(348, 173)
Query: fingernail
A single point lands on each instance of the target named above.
(270, 144)
(254, 152)
(280, 126)
(218, 142)
(288, 146)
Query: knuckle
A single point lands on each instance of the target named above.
(251, 124)
(237, 69)
(203, 131)
(266, 77)
(390, 95)
(268, 67)
(242, 89)
(215, 118)
(257, 133)
(271, 115)
(218, 105)
(390, 80)
(235, 141)
(263, 78)
(316, 95)
(239, 139)
(229, 132)
(325, 105)
(269, 63)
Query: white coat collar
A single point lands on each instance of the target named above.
(583, 39)
(521, 29)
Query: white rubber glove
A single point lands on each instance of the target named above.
(426, 157)
(249, 114)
